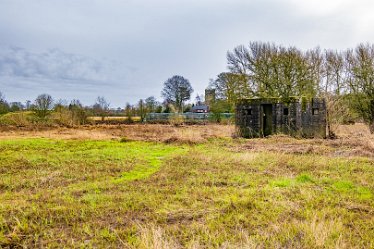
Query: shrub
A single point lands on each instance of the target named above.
(16, 118)
(176, 119)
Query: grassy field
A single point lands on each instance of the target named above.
(186, 187)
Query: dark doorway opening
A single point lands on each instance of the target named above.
(267, 122)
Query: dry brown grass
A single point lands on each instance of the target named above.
(150, 132)
(111, 118)
(353, 140)
(356, 130)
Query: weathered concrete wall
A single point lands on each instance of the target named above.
(313, 118)
(299, 117)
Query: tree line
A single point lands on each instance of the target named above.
(261, 69)
(175, 92)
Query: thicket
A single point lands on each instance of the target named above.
(344, 78)
(44, 112)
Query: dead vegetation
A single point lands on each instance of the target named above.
(345, 147)
(153, 132)
(352, 140)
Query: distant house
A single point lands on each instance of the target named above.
(200, 109)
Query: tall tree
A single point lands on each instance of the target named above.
(315, 60)
(231, 87)
(176, 90)
(332, 88)
(290, 74)
(361, 65)
(334, 71)
(151, 104)
(274, 71)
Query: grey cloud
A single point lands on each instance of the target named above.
(147, 41)
(25, 74)
(53, 64)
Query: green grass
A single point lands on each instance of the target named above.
(81, 193)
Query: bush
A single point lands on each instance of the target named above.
(16, 118)
(176, 119)
(68, 117)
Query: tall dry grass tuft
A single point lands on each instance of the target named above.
(356, 130)
(152, 237)
(245, 242)
(320, 231)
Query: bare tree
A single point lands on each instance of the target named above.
(332, 88)
(275, 71)
(4, 106)
(43, 105)
(176, 90)
(28, 105)
(334, 71)
(241, 60)
(78, 114)
(361, 80)
(316, 61)
(291, 74)
(16, 106)
(199, 99)
(101, 107)
(142, 110)
(129, 113)
(151, 104)
(231, 87)
(60, 105)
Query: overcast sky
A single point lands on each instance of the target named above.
(124, 50)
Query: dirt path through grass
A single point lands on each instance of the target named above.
(152, 165)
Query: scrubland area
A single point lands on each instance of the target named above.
(160, 186)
